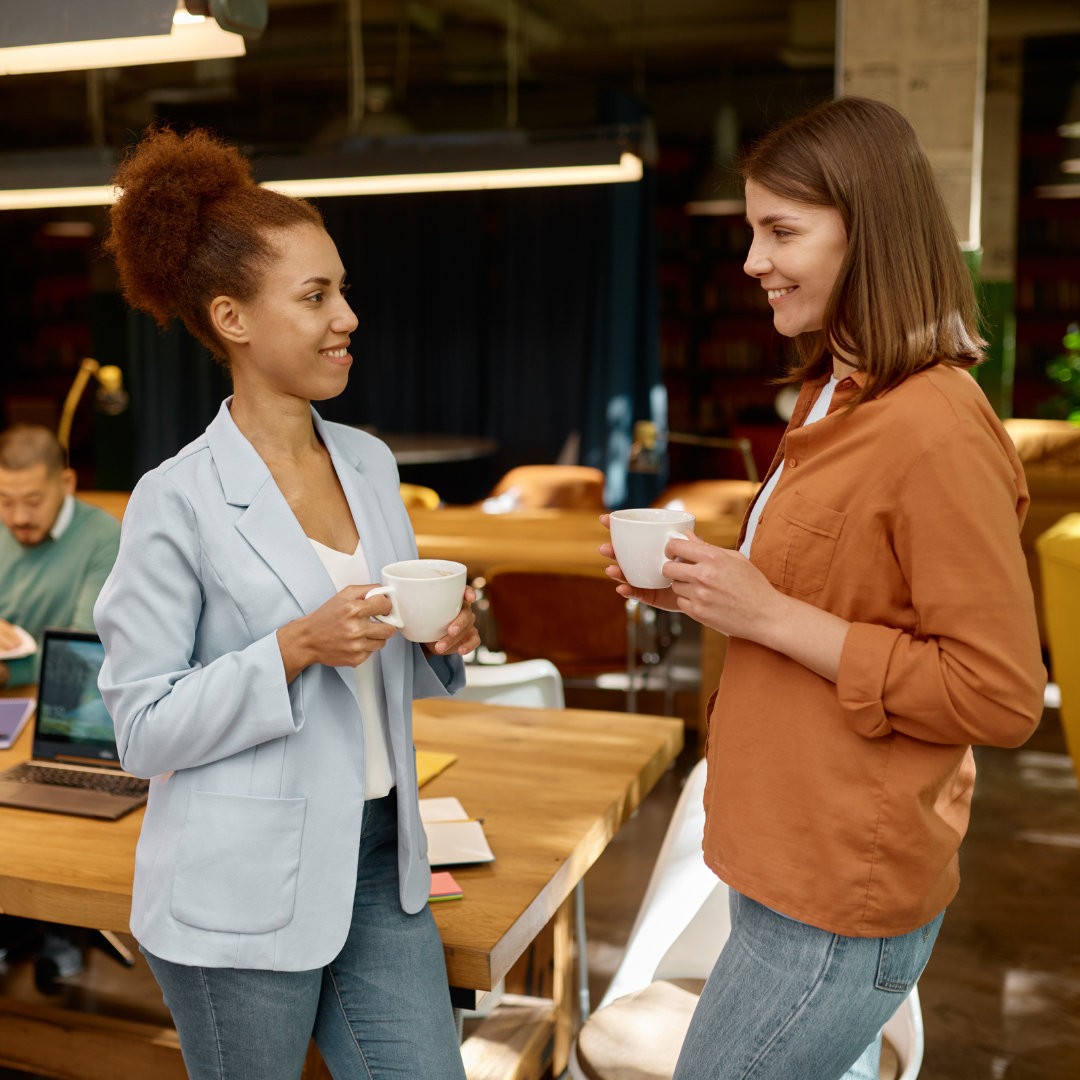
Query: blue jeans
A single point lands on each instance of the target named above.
(788, 1000)
(379, 1009)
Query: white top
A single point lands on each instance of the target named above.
(820, 409)
(378, 775)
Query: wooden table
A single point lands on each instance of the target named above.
(554, 540)
(553, 787)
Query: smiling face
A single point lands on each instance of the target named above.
(796, 254)
(292, 338)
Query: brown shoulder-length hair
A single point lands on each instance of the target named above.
(903, 299)
(191, 224)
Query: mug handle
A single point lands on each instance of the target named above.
(394, 618)
(674, 534)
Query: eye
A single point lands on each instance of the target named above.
(315, 297)
(345, 288)
(782, 233)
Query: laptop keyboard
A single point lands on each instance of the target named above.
(110, 783)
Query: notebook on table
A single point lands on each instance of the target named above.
(74, 766)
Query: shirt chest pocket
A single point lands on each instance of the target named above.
(800, 547)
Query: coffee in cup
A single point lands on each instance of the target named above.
(425, 596)
(639, 538)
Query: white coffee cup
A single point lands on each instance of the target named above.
(639, 538)
(425, 595)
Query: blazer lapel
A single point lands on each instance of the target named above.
(267, 522)
(363, 502)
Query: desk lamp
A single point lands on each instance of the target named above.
(111, 398)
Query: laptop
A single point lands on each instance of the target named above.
(74, 766)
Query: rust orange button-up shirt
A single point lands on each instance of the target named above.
(843, 805)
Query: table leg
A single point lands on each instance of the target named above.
(562, 986)
(529, 1034)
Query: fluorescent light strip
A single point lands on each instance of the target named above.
(46, 198)
(629, 169)
(192, 38)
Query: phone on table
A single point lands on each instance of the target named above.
(14, 713)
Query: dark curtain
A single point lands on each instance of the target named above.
(624, 376)
(175, 387)
(523, 316)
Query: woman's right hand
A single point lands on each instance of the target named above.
(664, 599)
(341, 633)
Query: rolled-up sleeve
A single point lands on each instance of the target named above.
(970, 670)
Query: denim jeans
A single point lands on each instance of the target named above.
(787, 1000)
(379, 1009)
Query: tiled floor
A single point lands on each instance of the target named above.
(1001, 996)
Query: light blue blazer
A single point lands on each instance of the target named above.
(248, 851)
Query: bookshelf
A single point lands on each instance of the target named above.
(718, 347)
(1047, 274)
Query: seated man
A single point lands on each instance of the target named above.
(55, 552)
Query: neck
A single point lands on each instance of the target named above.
(841, 368)
(279, 430)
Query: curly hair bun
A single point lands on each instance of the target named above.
(169, 185)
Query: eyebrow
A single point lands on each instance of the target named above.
(772, 219)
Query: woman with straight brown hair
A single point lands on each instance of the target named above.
(879, 611)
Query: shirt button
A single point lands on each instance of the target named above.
(792, 462)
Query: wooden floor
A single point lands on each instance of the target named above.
(1001, 995)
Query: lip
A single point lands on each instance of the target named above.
(344, 361)
(791, 289)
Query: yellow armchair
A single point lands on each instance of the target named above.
(1059, 555)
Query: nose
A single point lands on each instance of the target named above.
(756, 264)
(345, 320)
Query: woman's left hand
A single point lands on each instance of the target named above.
(461, 635)
(721, 588)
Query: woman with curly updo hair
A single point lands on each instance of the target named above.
(281, 880)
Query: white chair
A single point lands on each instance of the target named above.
(530, 683)
(680, 928)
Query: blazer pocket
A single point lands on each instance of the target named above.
(813, 531)
(238, 862)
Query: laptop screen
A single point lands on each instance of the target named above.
(72, 720)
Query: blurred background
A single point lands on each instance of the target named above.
(546, 320)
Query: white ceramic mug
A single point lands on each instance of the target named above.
(425, 595)
(639, 538)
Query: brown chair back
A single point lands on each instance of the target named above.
(567, 487)
(576, 620)
(710, 499)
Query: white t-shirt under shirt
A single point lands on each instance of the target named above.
(820, 409)
(379, 777)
